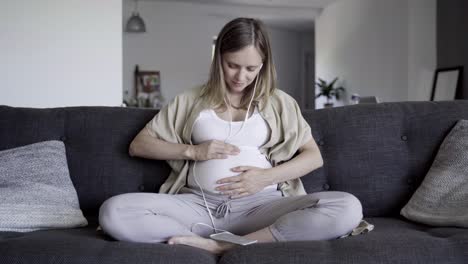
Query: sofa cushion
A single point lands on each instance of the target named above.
(83, 245)
(35, 189)
(392, 241)
(442, 198)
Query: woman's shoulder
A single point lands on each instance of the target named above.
(185, 99)
(280, 97)
(191, 93)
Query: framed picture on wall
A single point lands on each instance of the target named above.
(446, 83)
(148, 88)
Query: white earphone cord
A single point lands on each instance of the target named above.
(229, 135)
(246, 114)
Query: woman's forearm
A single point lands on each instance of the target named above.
(307, 161)
(146, 146)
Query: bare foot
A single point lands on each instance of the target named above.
(211, 245)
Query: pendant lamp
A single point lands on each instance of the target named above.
(135, 23)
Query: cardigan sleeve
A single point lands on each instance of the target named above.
(168, 125)
(304, 133)
(292, 130)
(164, 124)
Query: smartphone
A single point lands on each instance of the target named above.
(231, 238)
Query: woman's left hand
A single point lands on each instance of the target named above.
(250, 180)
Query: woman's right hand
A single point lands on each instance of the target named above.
(213, 149)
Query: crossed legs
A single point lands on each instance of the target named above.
(143, 217)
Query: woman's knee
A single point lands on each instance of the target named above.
(345, 208)
(109, 217)
(351, 212)
(352, 204)
(343, 201)
(107, 209)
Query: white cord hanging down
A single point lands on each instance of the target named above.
(204, 199)
(246, 114)
(225, 140)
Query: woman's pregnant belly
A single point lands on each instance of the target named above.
(209, 171)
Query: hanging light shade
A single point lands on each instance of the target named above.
(135, 24)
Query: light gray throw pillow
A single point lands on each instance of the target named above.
(35, 189)
(442, 198)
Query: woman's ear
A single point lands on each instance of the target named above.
(260, 68)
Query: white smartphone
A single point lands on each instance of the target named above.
(231, 238)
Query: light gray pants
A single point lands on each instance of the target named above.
(150, 217)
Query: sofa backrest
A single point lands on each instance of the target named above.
(96, 141)
(378, 152)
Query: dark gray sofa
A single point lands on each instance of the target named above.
(378, 152)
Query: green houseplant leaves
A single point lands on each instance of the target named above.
(328, 90)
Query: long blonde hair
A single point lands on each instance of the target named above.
(234, 36)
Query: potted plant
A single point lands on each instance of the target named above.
(329, 91)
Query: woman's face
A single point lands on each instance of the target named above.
(240, 68)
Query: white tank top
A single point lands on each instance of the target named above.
(208, 126)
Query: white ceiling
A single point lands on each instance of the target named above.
(297, 15)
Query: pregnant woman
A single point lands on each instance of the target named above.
(237, 146)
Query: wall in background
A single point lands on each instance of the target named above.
(61, 53)
(378, 48)
(452, 38)
(307, 78)
(422, 48)
(286, 56)
(178, 44)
